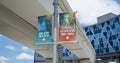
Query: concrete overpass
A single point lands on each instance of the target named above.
(18, 20)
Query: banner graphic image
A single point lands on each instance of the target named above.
(67, 27)
(44, 33)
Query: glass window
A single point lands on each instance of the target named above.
(105, 43)
(119, 36)
(111, 21)
(118, 41)
(101, 40)
(90, 37)
(105, 34)
(94, 26)
(112, 26)
(102, 24)
(87, 33)
(92, 42)
(95, 31)
(95, 41)
(117, 19)
(116, 48)
(115, 43)
(107, 49)
(100, 30)
(114, 31)
(96, 46)
(117, 27)
(101, 44)
(108, 33)
(115, 36)
(107, 28)
(91, 33)
(111, 49)
(91, 28)
(119, 47)
(97, 51)
(97, 36)
(110, 38)
(111, 43)
(101, 51)
(108, 22)
(86, 29)
(104, 29)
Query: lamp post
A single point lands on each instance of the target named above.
(55, 40)
(60, 48)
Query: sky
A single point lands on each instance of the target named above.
(89, 10)
(14, 52)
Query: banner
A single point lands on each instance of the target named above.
(44, 34)
(67, 28)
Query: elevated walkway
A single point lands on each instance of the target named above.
(20, 23)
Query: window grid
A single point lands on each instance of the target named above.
(105, 37)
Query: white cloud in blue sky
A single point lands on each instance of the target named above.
(89, 10)
(3, 59)
(12, 50)
(25, 49)
(24, 56)
(10, 47)
(0, 36)
(3, 62)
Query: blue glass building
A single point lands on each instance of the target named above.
(105, 39)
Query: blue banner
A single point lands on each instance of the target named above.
(44, 34)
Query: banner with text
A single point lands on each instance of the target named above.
(44, 34)
(67, 27)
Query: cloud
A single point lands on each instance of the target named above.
(3, 59)
(25, 49)
(24, 56)
(1, 36)
(89, 10)
(3, 62)
(10, 47)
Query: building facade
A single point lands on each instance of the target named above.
(105, 39)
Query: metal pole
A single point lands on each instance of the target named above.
(56, 4)
(59, 47)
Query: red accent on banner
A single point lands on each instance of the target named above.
(66, 36)
(43, 39)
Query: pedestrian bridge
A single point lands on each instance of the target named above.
(18, 20)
